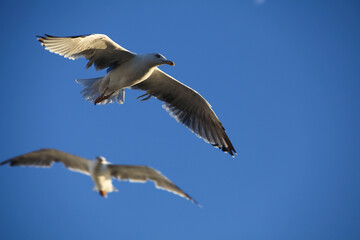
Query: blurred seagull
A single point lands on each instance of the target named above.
(139, 71)
(100, 170)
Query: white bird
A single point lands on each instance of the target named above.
(100, 170)
(139, 71)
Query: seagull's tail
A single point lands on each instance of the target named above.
(95, 87)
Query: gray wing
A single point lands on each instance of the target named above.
(46, 157)
(99, 49)
(143, 174)
(188, 107)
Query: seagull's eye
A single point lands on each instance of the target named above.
(158, 55)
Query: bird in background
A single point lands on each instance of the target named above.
(100, 170)
(126, 69)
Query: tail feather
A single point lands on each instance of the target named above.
(94, 87)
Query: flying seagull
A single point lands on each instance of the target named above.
(126, 69)
(100, 170)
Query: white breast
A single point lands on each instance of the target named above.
(101, 177)
(130, 73)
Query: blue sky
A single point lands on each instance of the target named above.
(282, 76)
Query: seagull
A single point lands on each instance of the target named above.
(126, 69)
(100, 170)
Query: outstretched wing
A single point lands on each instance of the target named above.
(46, 157)
(99, 49)
(188, 107)
(143, 174)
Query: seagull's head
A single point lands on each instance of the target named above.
(100, 159)
(160, 59)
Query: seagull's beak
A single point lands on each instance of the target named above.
(171, 63)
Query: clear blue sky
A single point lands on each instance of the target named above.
(282, 76)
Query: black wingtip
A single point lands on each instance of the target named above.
(231, 151)
(51, 36)
(40, 38)
(77, 36)
(197, 203)
(4, 162)
(230, 148)
(192, 200)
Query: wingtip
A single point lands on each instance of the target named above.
(40, 38)
(51, 36)
(230, 149)
(192, 200)
(232, 152)
(4, 162)
(196, 202)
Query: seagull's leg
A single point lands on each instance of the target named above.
(101, 97)
(103, 193)
(107, 96)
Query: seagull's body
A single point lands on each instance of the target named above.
(100, 170)
(128, 74)
(100, 174)
(139, 71)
